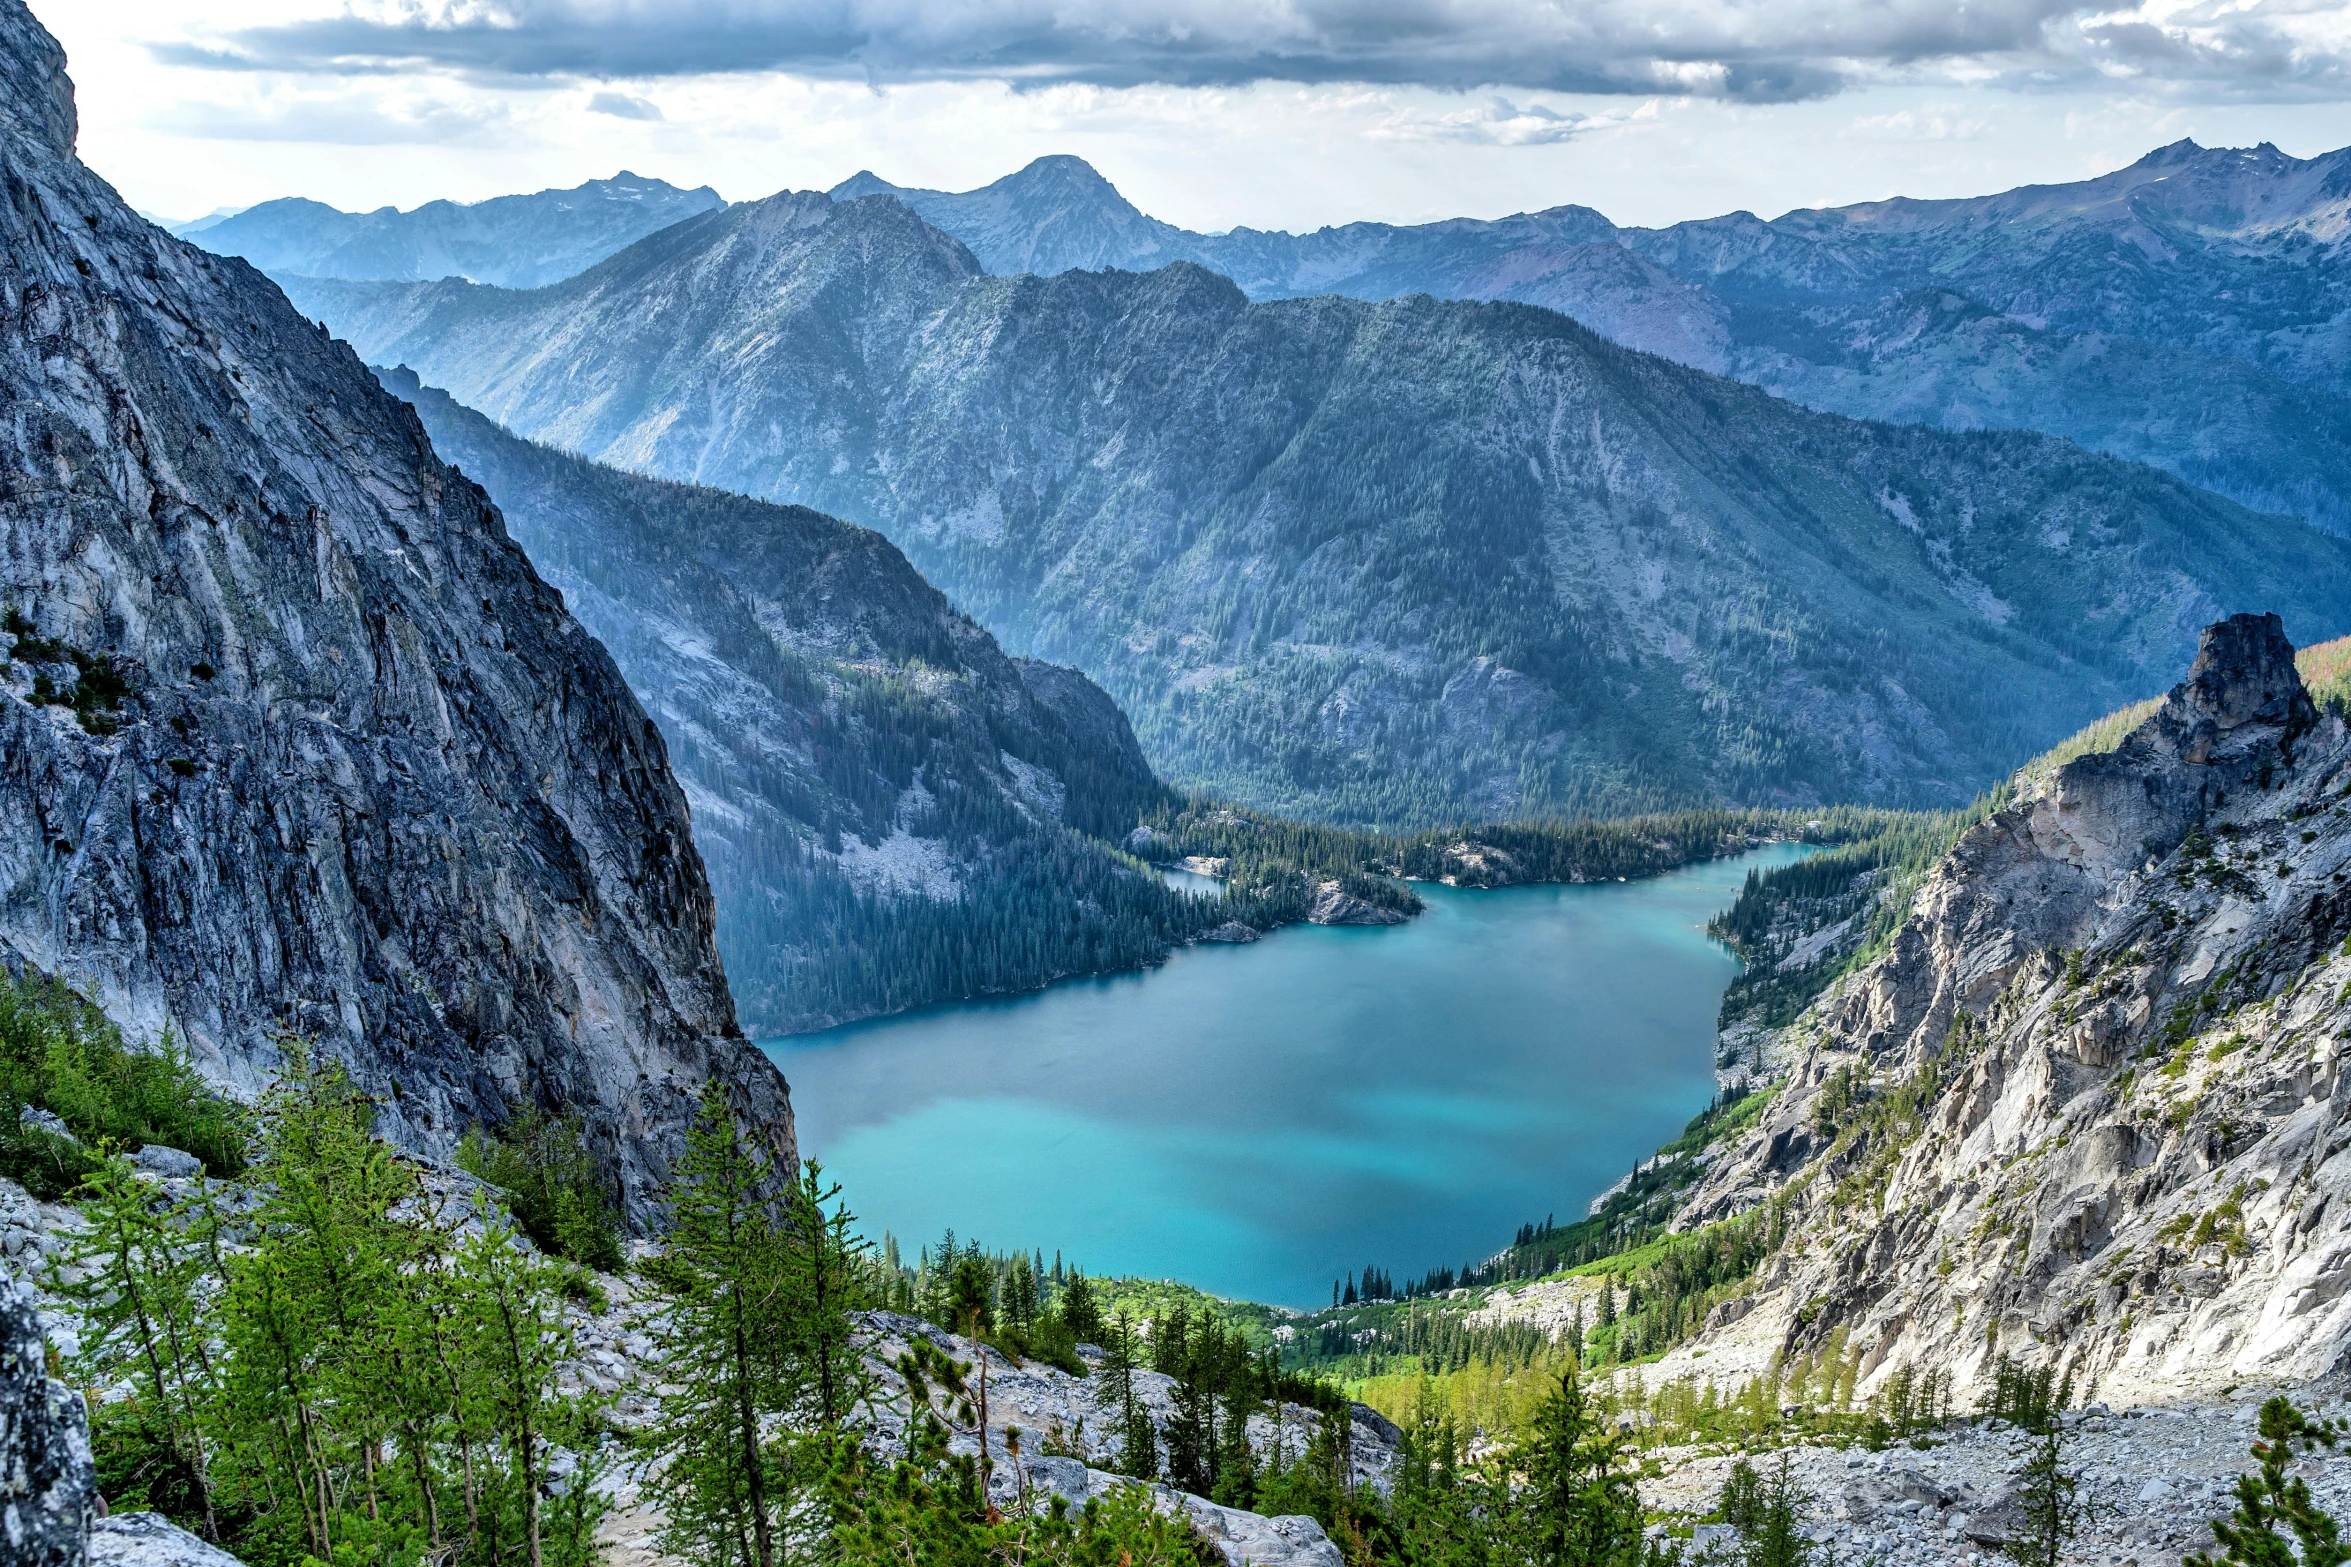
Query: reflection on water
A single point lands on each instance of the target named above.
(1259, 1120)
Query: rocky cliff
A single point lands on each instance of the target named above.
(2089, 1111)
(1415, 561)
(293, 740)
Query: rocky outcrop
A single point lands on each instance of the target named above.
(293, 740)
(48, 1485)
(1047, 1434)
(2089, 1110)
(2155, 1478)
(1333, 904)
(151, 1540)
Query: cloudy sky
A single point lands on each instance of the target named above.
(1209, 113)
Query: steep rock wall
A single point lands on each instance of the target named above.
(348, 771)
(2089, 1110)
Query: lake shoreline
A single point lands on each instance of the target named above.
(1576, 1026)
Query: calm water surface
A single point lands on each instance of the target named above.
(1260, 1120)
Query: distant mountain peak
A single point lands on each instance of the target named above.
(865, 182)
(522, 241)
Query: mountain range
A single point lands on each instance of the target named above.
(1404, 561)
(893, 812)
(2185, 311)
(514, 241)
(296, 748)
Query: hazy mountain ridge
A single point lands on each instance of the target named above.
(510, 241)
(293, 741)
(2190, 267)
(1384, 562)
(875, 783)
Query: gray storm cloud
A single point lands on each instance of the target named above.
(1755, 50)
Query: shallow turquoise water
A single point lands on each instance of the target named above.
(1260, 1120)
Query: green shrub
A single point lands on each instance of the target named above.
(551, 1185)
(59, 1054)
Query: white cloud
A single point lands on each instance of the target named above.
(1927, 122)
(182, 139)
(624, 106)
(1743, 50)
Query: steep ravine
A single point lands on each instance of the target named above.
(893, 812)
(294, 743)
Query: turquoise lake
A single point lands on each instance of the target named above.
(1260, 1120)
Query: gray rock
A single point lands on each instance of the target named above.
(151, 1540)
(1710, 1539)
(1063, 1477)
(1233, 931)
(1997, 1522)
(1334, 905)
(370, 783)
(170, 1163)
(1252, 1540)
(2129, 987)
(48, 1485)
(35, 1119)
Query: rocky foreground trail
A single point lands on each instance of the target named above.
(2155, 1477)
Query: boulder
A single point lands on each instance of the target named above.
(170, 1163)
(151, 1540)
(48, 1485)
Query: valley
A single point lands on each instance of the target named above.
(620, 812)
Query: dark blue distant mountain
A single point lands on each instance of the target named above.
(512, 241)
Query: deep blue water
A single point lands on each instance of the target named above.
(1259, 1120)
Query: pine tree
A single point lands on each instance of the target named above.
(2049, 1496)
(2271, 1505)
(1080, 1313)
(1769, 1515)
(1577, 1507)
(1138, 1446)
(518, 1337)
(720, 1330)
(1236, 1462)
(824, 1277)
(137, 1276)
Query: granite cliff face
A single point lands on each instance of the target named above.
(2090, 1109)
(293, 741)
(1382, 563)
(893, 812)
